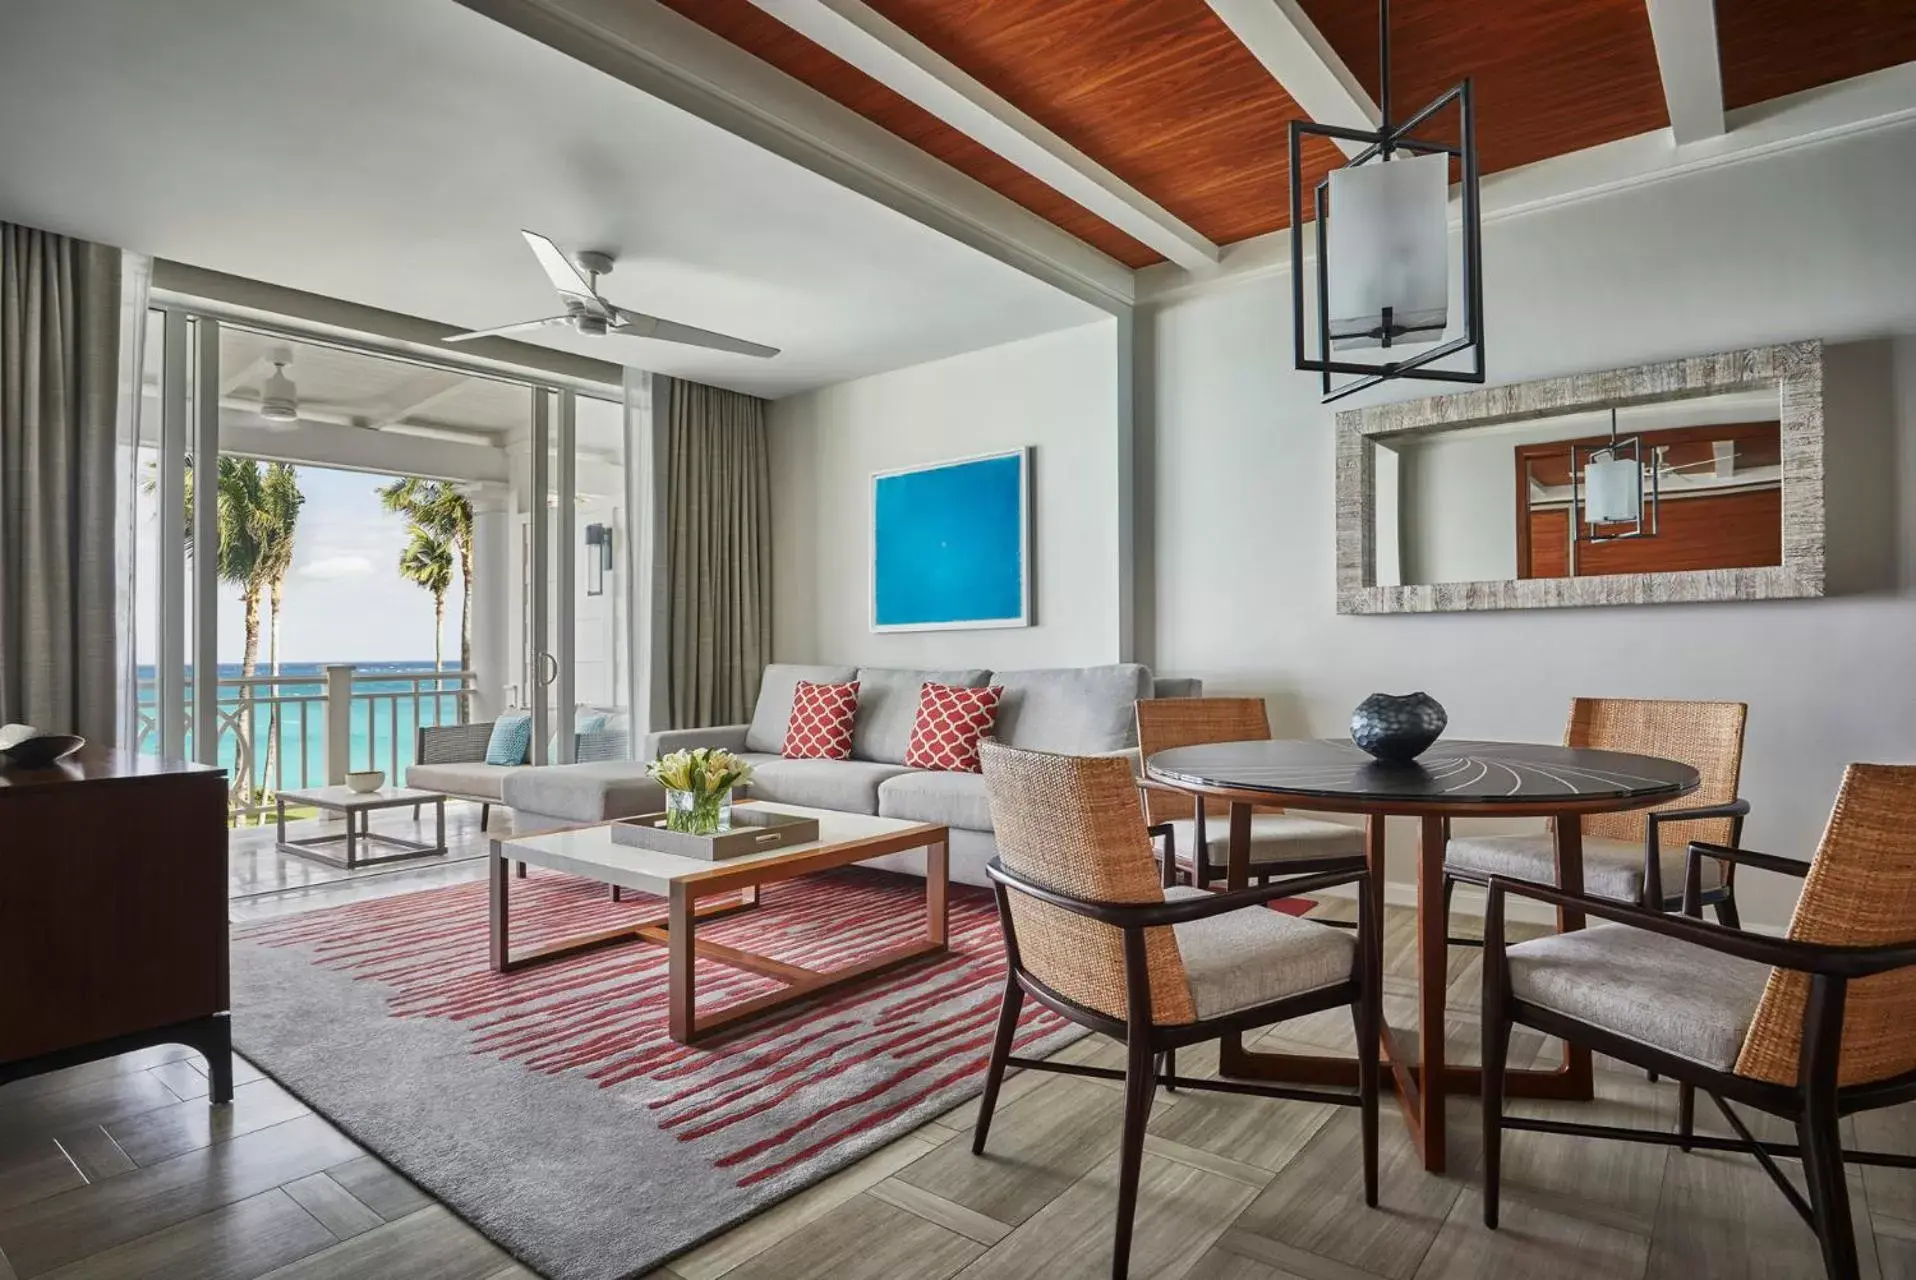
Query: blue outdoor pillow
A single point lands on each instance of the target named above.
(588, 722)
(511, 741)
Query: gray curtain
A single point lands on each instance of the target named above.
(718, 551)
(59, 387)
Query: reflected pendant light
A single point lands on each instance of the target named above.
(1607, 498)
(1383, 246)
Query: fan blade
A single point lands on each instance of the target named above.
(524, 326)
(637, 325)
(565, 277)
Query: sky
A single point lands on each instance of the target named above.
(344, 600)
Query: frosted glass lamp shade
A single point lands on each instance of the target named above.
(1389, 246)
(1613, 490)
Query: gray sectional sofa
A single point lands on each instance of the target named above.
(1074, 710)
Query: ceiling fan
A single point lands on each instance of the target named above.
(588, 313)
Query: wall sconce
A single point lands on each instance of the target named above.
(598, 560)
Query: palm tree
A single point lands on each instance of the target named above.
(427, 561)
(274, 522)
(443, 512)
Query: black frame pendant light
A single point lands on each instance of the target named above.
(1382, 277)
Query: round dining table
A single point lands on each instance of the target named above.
(1452, 779)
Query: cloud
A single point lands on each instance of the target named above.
(337, 567)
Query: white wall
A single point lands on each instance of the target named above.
(1812, 242)
(1057, 393)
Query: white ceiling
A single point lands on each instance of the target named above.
(388, 154)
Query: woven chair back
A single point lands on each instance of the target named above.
(1072, 824)
(1707, 736)
(1861, 891)
(1166, 723)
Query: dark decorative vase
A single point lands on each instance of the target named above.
(1397, 728)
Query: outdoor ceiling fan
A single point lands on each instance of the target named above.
(589, 313)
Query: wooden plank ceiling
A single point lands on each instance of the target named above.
(1162, 94)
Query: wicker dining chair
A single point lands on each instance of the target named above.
(1199, 835)
(1091, 935)
(1635, 857)
(1811, 1027)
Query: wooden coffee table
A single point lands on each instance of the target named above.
(844, 839)
(358, 807)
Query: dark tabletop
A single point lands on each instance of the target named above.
(1519, 774)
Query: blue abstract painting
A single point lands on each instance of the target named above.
(949, 545)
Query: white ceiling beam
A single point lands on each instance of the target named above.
(667, 55)
(1281, 35)
(1692, 71)
(416, 395)
(906, 65)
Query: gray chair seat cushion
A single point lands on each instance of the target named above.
(948, 799)
(772, 714)
(595, 792)
(1072, 710)
(1663, 992)
(888, 706)
(473, 779)
(1611, 868)
(1254, 955)
(1275, 837)
(849, 786)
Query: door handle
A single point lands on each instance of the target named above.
(545, 677)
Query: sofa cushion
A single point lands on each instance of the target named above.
(950, 723)
(948, 799)
(774, 710)
(1252, 956)
(821, 724)
(473, 779)
(511, 740)
(596, 792)
(849, 786)
(888, 704)
(1072, 710)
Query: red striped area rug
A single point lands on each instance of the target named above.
(550, 1109)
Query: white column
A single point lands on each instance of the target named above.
(339, 722)
(493, 596)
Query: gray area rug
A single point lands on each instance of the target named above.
(549, 1108)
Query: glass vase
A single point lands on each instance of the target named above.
(698, 815)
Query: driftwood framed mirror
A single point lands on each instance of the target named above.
(1682, 481)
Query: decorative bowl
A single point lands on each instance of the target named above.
(41, 750)
(366, 780)
(1397, 728)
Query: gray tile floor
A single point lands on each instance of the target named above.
(119, 1169)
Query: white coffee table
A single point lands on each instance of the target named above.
(358, 806)
(844, 839)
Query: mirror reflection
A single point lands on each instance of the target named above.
(1665, 487)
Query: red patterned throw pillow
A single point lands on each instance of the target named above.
(950, 722)
(821, 723)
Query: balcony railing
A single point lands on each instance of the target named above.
(324, 724)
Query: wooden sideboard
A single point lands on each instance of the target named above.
(113, 912)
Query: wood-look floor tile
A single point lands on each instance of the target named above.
(180, 1077)
(952, 1217)
(100, 1100)
(751, 1238)
(1258, 1131)
(1220, 1264)
(428, 1245)
(17, 1092)
(95, 1153)
(244, 1072)
(1721, 1216)
(1618, 1183)
(233, 1242)
(1253, 1176)
(338, 1210)
(35, 1170)
(1181, 1212)
(1530, 1241)
(380, 1188)
(1317, 1203)
(865, 1239)
(1897, 1255)
(58, 1230)
(1287, 1260)
(1040, 1144)
(165, 1132)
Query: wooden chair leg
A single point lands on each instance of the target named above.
(520, 869)
(1686, 1114)
(1369, 1033)
(1726, 913)
(485, 811)
(615, 893)
(1168, 1069)
(1496, 1033)
(1829, 1193)
(1000, 1050)
(1140, 1084)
